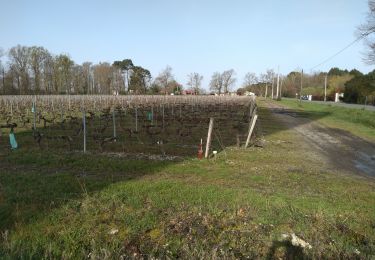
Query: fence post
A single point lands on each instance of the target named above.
(34, 110)
(208, 143)
(62, 113)
(136, 119)
(152, 114)
(251, 125)
(163, 116)
(84, 130)
(114, 124)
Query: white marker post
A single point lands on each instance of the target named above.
(252, 124)
(210, 127)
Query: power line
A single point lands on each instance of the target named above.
(364, 35)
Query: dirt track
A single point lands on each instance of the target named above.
(342, 150)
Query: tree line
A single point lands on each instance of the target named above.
(356, 86)
(34, 70)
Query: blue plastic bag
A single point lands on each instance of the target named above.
(150, 116)
(13, 142)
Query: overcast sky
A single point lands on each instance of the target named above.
(192, 35)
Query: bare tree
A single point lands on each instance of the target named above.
(228, 79)
(86, 69)
(63, 73)
(19, 59)
(1, 55)
(2, 71)
(195, 82)
(78, 79)
(37, 57)
(267, 79)
(250, 79)
(367, 29)
(48, 73)
(103, 77)
(164, 79)
(216, 83)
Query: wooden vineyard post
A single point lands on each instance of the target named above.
(163, 115)
(34, 111)
(152, 114)
(208, 143)
(114, 124)
(252, 124)
(136, 119)
(84, 130)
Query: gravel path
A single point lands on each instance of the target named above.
(343, 149)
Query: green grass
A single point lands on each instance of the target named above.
(61, 205)
(359, 122)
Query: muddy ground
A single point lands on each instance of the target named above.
(339, 149)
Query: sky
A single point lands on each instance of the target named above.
(201, 36)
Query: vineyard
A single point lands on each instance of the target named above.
(157, 125)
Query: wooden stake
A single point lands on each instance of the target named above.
(252, 124)
(163, 116)
(84, 130)
(34, 107)
(238, 141)
(210, 127)
(136, 119)
(114, 123)
(152, 115)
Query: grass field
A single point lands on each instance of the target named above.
(359, 122)
(69, 205)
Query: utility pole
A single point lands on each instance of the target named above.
(281, 87)
(300, 93)
(325, 87)
(278, 82)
